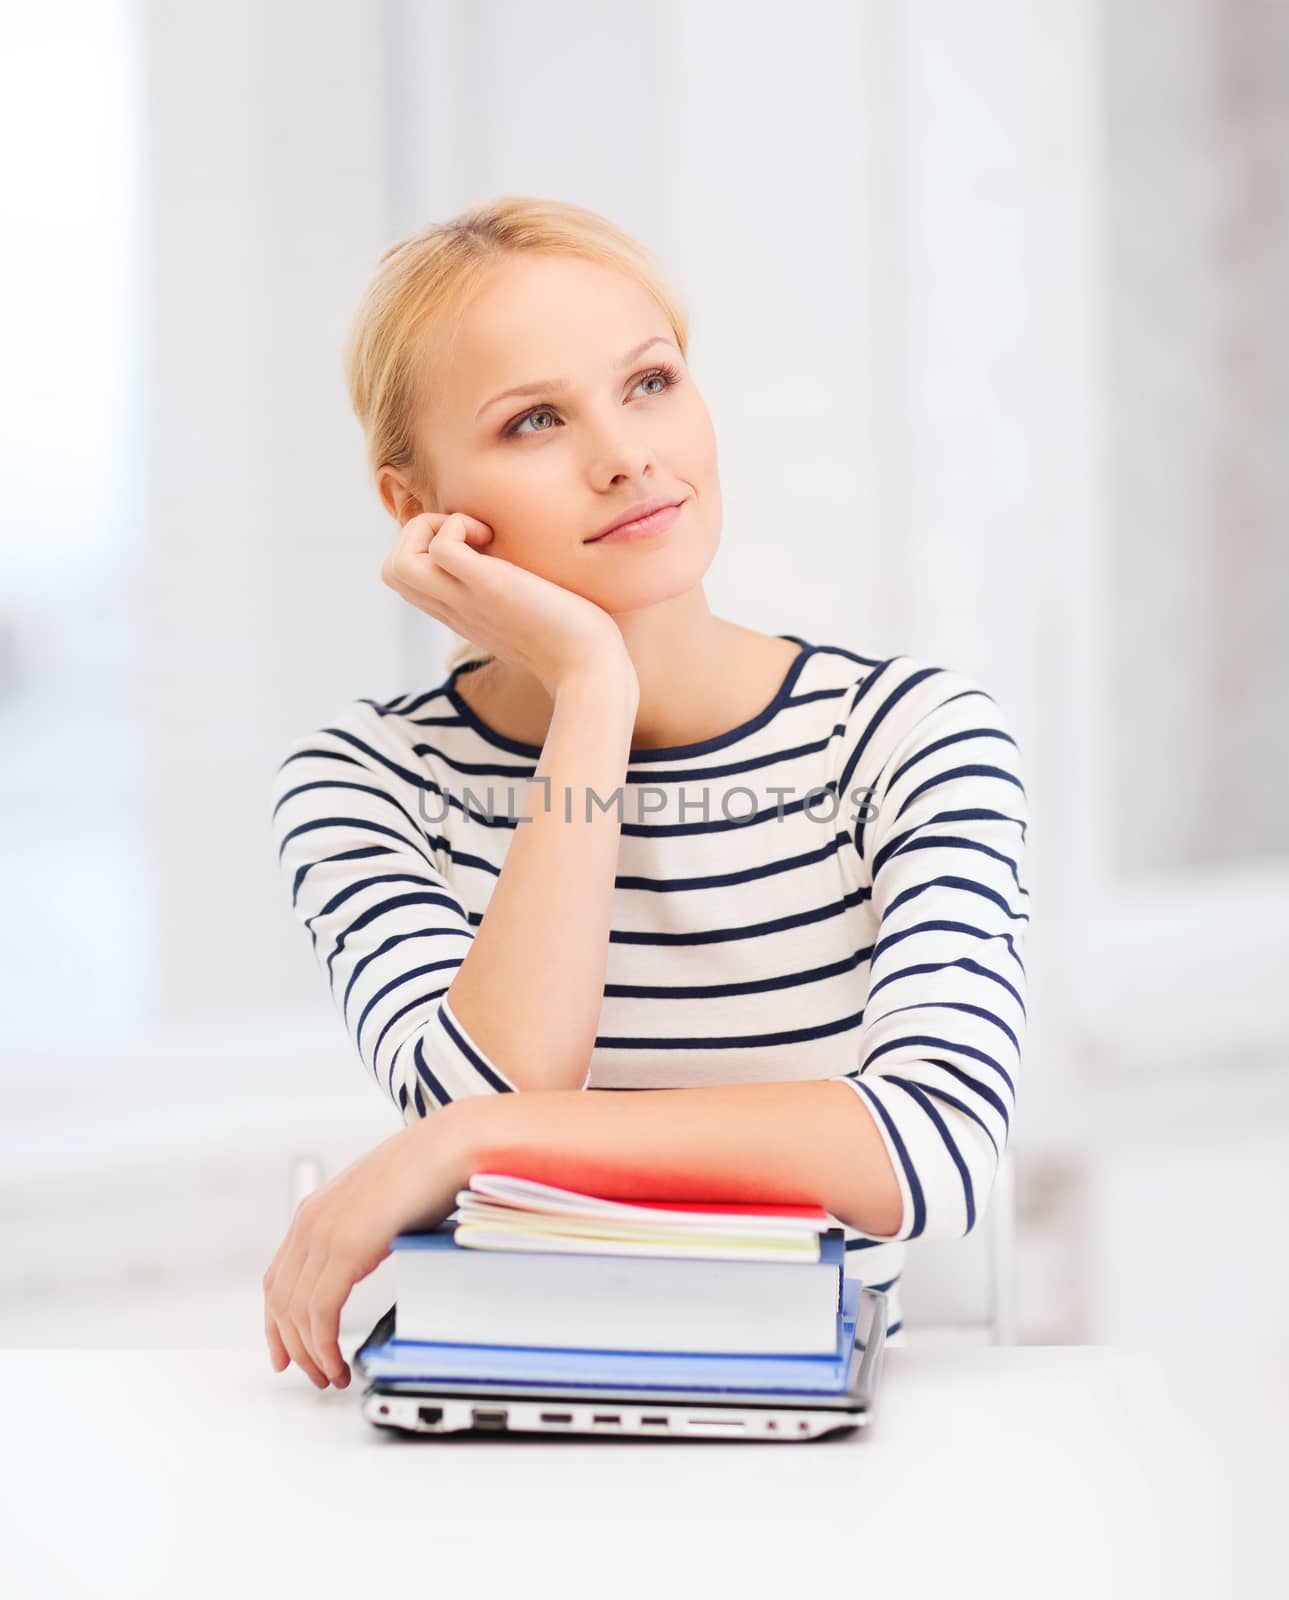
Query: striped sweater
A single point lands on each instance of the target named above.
(832, 889)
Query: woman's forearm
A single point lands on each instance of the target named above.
(796, 1143)
(530, 989)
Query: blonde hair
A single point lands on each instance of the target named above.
(421, 287)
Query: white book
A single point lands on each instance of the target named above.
(568, 1299)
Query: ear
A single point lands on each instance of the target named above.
(399, 497)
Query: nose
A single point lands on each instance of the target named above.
(620, 453)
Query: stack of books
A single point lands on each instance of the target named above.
(527, 1281)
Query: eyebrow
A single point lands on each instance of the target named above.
(557, 386)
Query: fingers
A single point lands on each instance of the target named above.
(279, 1355)
(420, 532)
(302, 1320)
(300, 1308)
(301, 1357)
(478, 533)
(415, 568)
(447, 544)
(284, 1284)
(330, 1290)
(433, 567)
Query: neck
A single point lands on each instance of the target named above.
(689, 663)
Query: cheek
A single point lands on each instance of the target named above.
(695, 443)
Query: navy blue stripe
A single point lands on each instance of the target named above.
(383, 909)
(838, 650)
(711, 991)
(905, 842)
(941, 1128)
(423, 1071)
(887, 940)
(882, 782)
(720, 880)
(382, 949)
(382, 795)
(402, 706)
(452, 721)
(517, 772)
(326, 755)
(870, 727)
(362, 854)
(417, 780)
(949, 774)
(482, 811)
(754, 930)
(362, 823)
(967, 885)
(957, 1005)
(772, 815)
(941, 744)
(723, 880)
(965, 962)
(409, 976)
(420, 999)
(901, 1150)
(975, 1085)
(356, 887)
(920, 1039)
(812, 695)
(667, 753)
(472, 1055)
(821, 1030)
(384, 708)
(949, 1099)
(461, 859)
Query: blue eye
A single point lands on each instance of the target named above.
(667, 375)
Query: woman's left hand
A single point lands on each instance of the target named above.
(344, 1230)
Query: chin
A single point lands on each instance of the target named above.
(649, 585)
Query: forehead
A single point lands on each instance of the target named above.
(542, 317)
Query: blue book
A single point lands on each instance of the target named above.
(418, 1363)
(603, 1301)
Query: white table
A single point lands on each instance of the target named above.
(1035, 1471)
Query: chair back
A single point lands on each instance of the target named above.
(963, 1290)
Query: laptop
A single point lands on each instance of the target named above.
(721, 1406)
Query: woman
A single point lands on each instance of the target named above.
(626, 844)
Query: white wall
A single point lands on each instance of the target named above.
(894, 229)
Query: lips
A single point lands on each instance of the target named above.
(635, 514)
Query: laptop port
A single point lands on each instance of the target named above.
(599, 1418)
(557, 1416)
(430, 1415)
(488, 1419)
(660, 1422)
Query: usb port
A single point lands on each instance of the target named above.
(660, 1422)
(488, 1419)
(600, 1418)
(557, 1416)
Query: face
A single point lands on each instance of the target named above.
(547, 468)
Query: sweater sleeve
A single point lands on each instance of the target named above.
(386, 926)
(941, 840)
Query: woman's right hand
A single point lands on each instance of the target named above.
(440, 565)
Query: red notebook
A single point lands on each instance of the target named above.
(608, 1181)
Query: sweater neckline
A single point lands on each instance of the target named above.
(649, 753)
